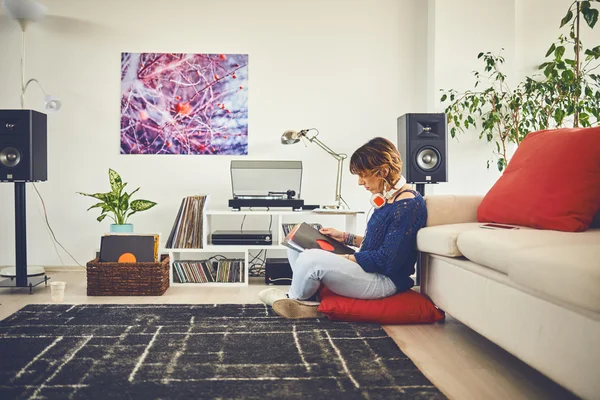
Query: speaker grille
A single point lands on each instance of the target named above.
(428, 159)
(10, 157)
(423, 147)
(23, 146)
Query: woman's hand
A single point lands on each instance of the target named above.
(333, 233)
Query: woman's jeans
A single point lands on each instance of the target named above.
(342, 276)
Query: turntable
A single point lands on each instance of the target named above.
(266, 184)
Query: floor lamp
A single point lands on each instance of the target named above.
(24, 12)
(292, 137)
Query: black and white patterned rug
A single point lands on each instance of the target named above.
(198, 352)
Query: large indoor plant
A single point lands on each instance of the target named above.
(565, 94)
(117, 204)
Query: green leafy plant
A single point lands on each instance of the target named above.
(496, 108)
(565, 94)
(568, 93)
(117, 203)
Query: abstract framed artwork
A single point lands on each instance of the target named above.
(174, 103)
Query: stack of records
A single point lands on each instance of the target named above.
(287, 228)
(187, 229)
(206, 271)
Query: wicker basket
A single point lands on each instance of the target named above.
(127, 279)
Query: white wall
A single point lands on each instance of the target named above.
(458, 31)
(345, 67)
(461, 29)
(537, 30)
(537, 26)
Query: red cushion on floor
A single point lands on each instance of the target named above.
(596, 221)
(407, 307)
(552, 182)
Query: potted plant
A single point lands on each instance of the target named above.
(117, 204)
(567, 93)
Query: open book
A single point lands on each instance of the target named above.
(304, 237)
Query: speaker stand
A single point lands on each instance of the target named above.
(21, 279)
(421, 190)
(21, 233)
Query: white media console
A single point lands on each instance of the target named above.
(242, 251)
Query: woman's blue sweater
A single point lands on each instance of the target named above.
(389, 246)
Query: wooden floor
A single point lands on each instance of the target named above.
(461, 363)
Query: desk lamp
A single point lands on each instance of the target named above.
(292, 137)
(25, 12)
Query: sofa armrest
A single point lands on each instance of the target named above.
(451, 209)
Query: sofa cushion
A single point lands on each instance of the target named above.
(494, 248)
(442, 239)
(567, 272)
(446, 209)
(551, 182)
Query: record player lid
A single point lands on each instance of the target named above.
(263, 177)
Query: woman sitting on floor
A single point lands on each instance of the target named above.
(388, 251)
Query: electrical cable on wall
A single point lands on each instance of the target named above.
(51, 231)
(48, 228)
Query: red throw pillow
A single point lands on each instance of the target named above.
(407, 307)
(552, 182)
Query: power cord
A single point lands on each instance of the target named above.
(256, 256)
(51, 231)
(254, 269)
(244, 219)
(257, 268)
(347, 205)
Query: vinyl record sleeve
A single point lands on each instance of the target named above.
(305, 237)
(129, 248)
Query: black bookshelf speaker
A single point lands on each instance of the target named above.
(423, 146)
(23, 146)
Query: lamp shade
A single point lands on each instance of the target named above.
(290, 137)
(29, 10)
(52, 103)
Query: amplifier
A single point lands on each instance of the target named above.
(278, 271)
(237, 203)
(242, 238)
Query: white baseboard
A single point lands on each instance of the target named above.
(55, 268)
(65, 268)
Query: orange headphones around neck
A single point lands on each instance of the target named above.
(378, 200)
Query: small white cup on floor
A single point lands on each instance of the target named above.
(57, 291)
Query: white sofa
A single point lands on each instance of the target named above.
(535, 293)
